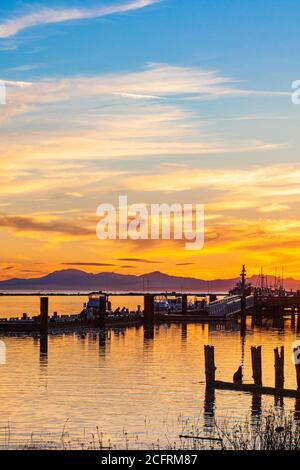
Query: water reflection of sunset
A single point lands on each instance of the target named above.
(118, 382)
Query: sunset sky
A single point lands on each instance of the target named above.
(167, 101)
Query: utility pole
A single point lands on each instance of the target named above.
(243, 274)
(243, 302)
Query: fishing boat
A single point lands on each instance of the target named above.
(169, 305)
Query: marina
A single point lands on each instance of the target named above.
(244, 300)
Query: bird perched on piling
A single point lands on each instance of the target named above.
(238, 376)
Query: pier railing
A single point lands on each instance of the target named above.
(231, 305)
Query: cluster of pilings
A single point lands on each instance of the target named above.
(149, 314)
(149, 311)
(257, 386)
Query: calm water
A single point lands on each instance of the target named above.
(129, 380)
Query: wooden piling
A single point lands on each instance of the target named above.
(44, 315)
(210, 368)
(102, 310)
(184, 304)
(279, 367)
(256, 365)
(149, 308)
(293, 312)
(102, 304)
(293, 318)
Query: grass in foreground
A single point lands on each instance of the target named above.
(272, 431)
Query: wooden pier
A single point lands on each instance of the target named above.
(212, 312)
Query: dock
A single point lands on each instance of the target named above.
(230, 306)
(240, 302)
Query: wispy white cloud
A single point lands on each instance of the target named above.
(15, 84)
(252, 117)
(138, 97)
(248, 184)
(154, 82)
(26, 67)
(44, 16)
(119, 116)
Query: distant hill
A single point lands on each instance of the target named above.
(76, 280)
